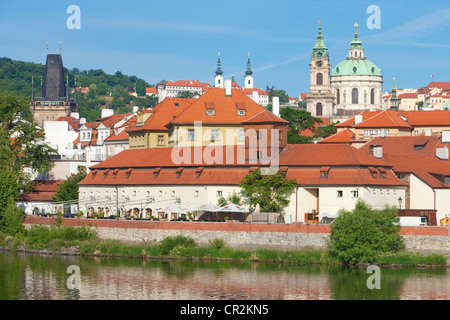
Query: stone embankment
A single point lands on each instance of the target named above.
(425, 240)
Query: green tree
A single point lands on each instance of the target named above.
(26, 138)
(325, 131)
(187, 94)
(271, 192)
(12, 220)
(363, 234)
(232, 198)
(299, 120)
(68, 190)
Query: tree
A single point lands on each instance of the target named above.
(188, 94)
(299, 120)
(325, 131)
(232, 198)
(26, 139)
(271, 192)
(68, 190)
(363, 234)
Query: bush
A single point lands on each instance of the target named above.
(217, 243)
(170, 243)
(361, 235)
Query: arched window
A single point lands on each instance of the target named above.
(319, 79)
(372, 96)
(319, 109)
(338, 96)
(355, 99)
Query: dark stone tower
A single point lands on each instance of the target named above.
(54, 101)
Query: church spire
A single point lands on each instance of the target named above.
(320, 50)
(249, 71)
(394, 99)
(356, 48)
(219, 66)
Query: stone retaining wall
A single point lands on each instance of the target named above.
(247, 235)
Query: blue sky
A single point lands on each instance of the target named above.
(179, 40)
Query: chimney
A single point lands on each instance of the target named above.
(82, 121)
(255, 96)
(228, 88)
(76, 115)
(446, 137)
(358, 118)
(276, 106)
(107, 112)
(428, 132)
(378, 152)
(442, 153)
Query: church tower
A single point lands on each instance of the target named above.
(248, 75)
(320, 99)
(218, 79)
(394, 101)
(54, 101)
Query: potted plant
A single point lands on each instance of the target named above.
(132, 217)
(226, 219)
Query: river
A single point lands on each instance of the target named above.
(40, 277)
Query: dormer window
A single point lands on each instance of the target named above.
(324, 172)
(210, 112)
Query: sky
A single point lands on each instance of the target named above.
(180, 40)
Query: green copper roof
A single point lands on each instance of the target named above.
(320, 50)
(249, 71)
(358, 67)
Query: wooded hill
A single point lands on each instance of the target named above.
(105, 90)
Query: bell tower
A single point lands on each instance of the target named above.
(320, 99)
(218, 78)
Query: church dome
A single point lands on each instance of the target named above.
(356, 67)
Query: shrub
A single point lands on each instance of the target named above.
(361, 235)
(170, 243)
(217, 243)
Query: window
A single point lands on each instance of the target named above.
(210, 112)
(219, 193)
(372, 96)
(160, 140)
(355, 194)
(241, 135)
(214, 135)
(339, 194)
(160, 193)
(319, 79)
(355, 98)
(191, 135)
(241, 112)
(259, 135)
(319, 109)
(338, 96)
(258, 155)
(196, 193)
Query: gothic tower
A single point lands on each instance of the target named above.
(320, 99)
(54, 101)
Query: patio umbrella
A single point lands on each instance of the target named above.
(206, 207)
(232, 208)
(176, 208)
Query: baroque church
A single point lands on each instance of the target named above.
(352, 86)
(54, 100)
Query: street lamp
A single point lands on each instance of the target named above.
(400, 200)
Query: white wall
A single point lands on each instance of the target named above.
(58, 135)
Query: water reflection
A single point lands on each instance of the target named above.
(35, 277)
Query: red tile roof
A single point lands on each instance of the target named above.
(164, 113)
(405, 156)
(438, 84)
(265, 116)
(151, 90)
(347, 166)
(225, 108)
(343, 136)
(73, 122)
(408, 96)
(42, 191)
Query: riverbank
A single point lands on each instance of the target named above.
(84, 241)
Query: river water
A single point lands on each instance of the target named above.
(40, 277)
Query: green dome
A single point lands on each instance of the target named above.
(356, 67)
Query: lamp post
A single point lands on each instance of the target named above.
(400, 200)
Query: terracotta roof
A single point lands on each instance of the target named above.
(265, 116)
(345, 165)
(225, 108)
(343, 136)
(43, 191)
(151, 90)
(414, 155)
(438, 84)
(164, 113)
(384, 119)
(405, 119)
(250, 92)
(73, 122)
(408, 96)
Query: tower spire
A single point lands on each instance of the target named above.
(249, 71)
(320, 50)
(60, 47)
(47, 47)
(219, 66)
